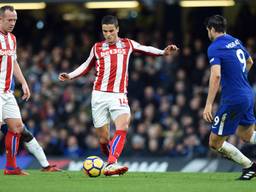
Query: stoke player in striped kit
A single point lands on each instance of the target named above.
(109, 101)
(9, 110)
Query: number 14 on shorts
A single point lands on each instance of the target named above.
(123, 101)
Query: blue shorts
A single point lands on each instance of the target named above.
(229, 116)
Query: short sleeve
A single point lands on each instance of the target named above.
(213, 56)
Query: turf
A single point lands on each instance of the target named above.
(67, 181)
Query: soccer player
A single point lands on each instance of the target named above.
(230, 63)
(9, 110)
(32, 145)
(109, 96)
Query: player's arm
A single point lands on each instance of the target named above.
(152, 51)
(214, 84)
(19, 76)
(249, 63)
(83, 69)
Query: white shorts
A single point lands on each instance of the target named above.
(8, 107)
(106, 106)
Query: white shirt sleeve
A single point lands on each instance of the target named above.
(84, 67)
(148, 50)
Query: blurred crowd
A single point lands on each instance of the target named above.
(166, 96)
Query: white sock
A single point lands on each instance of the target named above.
(34, 148)
(253, 138)
(233, 153)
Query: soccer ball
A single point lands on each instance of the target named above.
(92, 166)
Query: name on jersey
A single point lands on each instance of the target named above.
(7, 52)
(233, 44)
(112, 52)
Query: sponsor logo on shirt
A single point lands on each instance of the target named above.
(112, 52)
(7, 52)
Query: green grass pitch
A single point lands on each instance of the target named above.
(73, 181)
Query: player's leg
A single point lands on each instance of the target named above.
(118, 141)
(12, 139)
(120, 113)
(34, 148)
(246, 131)
(219, 144)
(101, 119)
(225, 123)
(117, 145)
(12, 117)
(248, 134)
(103, 135)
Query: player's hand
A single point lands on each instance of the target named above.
(64, 77)
(26, 92)
(170, 49)
(207, 114)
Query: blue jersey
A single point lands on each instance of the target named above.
(229, 53)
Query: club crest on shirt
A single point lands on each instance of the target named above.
(120, 44)
(104, 47)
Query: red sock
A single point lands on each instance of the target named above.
(104, 147)
(116, 146)
(11, 147)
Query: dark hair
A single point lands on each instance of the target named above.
(218, 22)
(6, 7)
(109, 19)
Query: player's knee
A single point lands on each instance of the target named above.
(246, 136)
(214, 145)
(19, 128)
(245, 132)
(122, 122)
(123, 126)
(103, 139)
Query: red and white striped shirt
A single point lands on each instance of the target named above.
(111, 63)
(7, 59)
